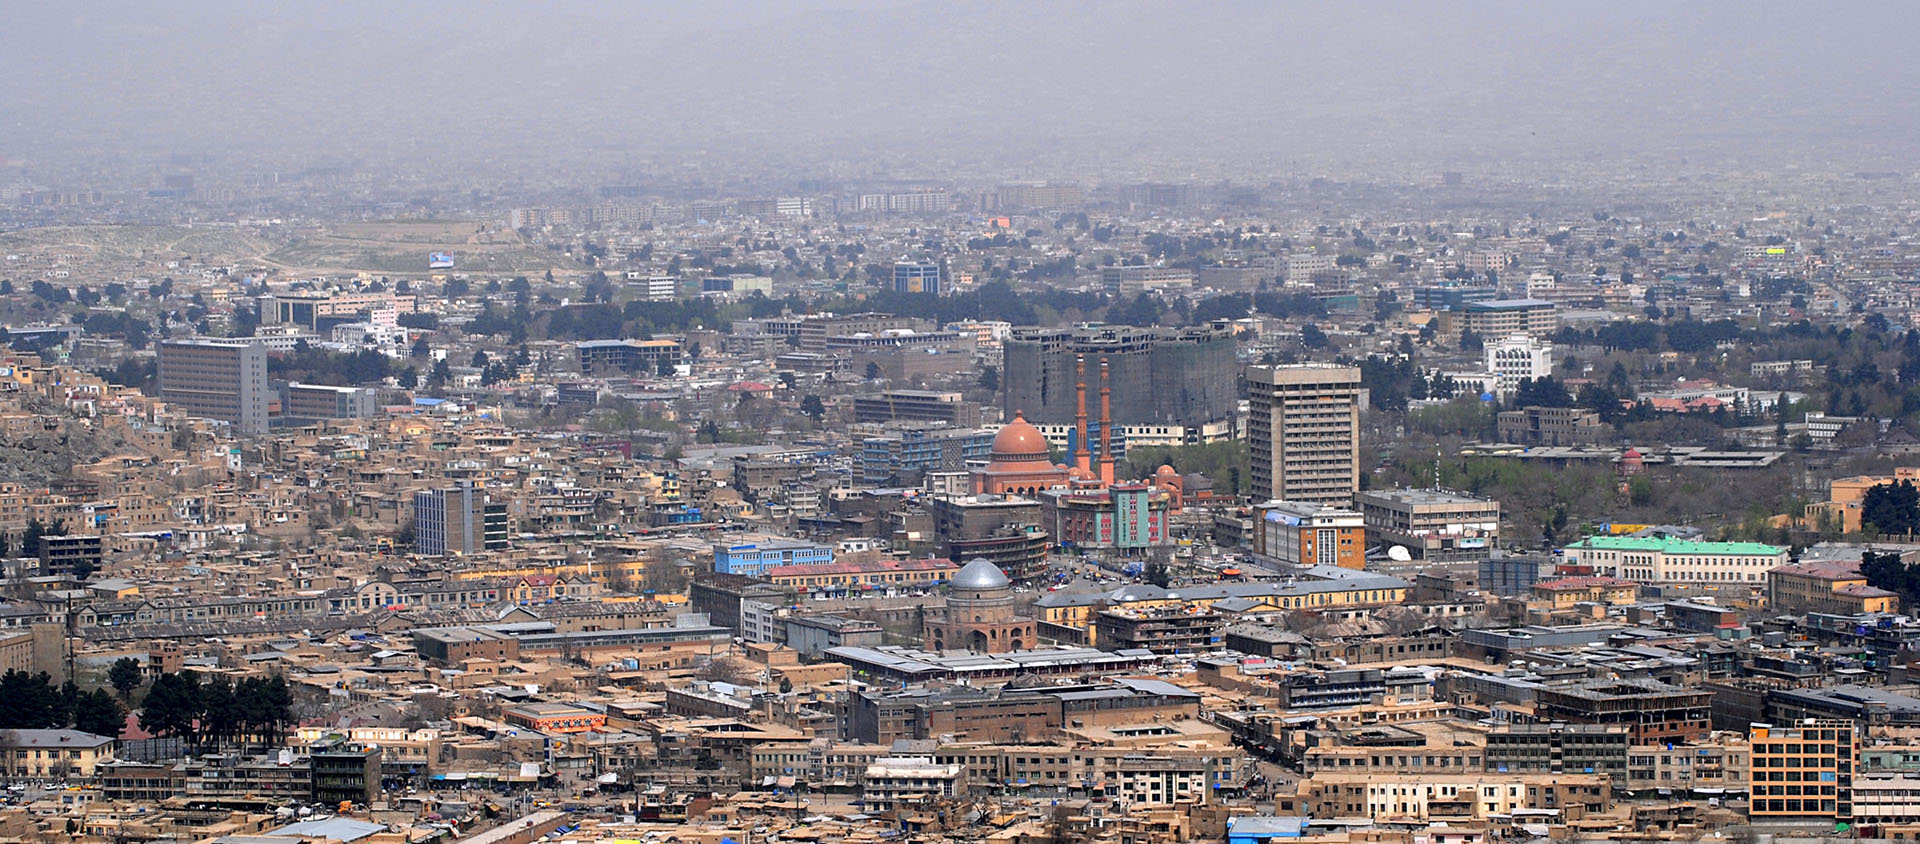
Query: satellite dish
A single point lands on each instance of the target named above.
(1399, 553)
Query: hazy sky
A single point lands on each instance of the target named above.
(1152, 86)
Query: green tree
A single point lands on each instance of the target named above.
(1886, 571)
(125, 676)
(1158, 574)
(1313, 338)
(1892, 508)
(990, 379)
(220, 712)
(172, 706)
(812, 408)
(98, 713)
(29, 702)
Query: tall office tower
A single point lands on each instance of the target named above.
(217, 379)
(459, 520)
(1187, 377)
(1303, 427)
(917, 277)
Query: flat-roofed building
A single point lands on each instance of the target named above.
(1301, 533)
(1434, 525)
(1651, 711)
(1555, 426)
(1804, 770)
(1133, 281)
(754, 555)
(646, 356)
(1303, 428)
(226, 381)
(897, 782)
(311, 310)
(306, 402)
(458, 521)
(949, 406)
(1501, 318)
(1483, 794)
(552, 717)
(1560, 749)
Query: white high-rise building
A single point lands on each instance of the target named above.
(1517, 357)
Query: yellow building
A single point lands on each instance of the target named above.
(1563, 593)
(53, 754)
(856, 576)
(1826, 586)
(1845, 495)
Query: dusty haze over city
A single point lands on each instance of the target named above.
(1162, 90)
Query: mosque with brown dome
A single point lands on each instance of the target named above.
(1021, 462)
(1083, 504)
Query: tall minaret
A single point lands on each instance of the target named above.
(1082, 454)
(1106, 426)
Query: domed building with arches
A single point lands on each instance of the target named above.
(1021, 462)
(980, 615)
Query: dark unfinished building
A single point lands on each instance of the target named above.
(1187, 377)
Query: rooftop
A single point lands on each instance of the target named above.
(1677, 546)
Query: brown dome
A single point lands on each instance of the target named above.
(1020, 441)
(1020, 446)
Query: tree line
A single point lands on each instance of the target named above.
(33, 702)
(218, 711)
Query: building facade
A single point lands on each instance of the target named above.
(917, 277)
(1303, 429)
(1516, 358)
(458, 521)
(1661, 560)
(1297, 533)
(1185, 377)
(1803, 770)
(219, 380)
(1432, 524)
(753, 556)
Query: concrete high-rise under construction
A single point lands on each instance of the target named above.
(1303, 430)
(1186, 377)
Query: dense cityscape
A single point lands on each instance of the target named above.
(815, 496)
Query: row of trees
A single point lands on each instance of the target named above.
(33, 702)
(218, 710)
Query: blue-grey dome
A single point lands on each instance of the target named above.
(981, 574)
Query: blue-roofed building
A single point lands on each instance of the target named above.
(752, 556)
(1259, 829)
